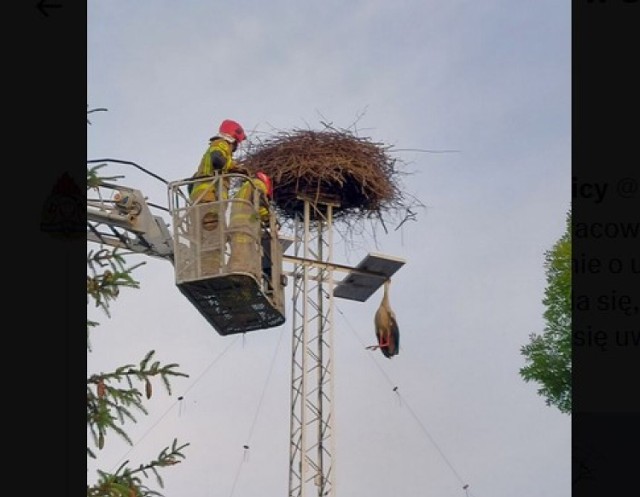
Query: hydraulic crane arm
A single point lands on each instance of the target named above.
(120, 216)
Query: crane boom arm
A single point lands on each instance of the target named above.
(119, 216)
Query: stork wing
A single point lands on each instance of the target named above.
(394, 342)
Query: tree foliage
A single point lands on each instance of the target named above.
(115, 398)
(548, 355)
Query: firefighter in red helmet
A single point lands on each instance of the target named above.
(216, 160)
(247, 218)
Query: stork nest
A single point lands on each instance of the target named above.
(355, 175)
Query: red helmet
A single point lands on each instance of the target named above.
(267, 182)
(233, 130)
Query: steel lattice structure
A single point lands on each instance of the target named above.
(312, 444)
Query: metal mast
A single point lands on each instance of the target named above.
(312, 444)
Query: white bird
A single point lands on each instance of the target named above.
(386, 327)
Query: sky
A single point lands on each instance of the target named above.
(474, 98)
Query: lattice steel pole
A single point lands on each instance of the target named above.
(312, 444)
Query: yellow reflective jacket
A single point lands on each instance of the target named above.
(217, 158)
(242, 212)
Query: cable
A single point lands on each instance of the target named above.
(424, 429)
(133, 446)
(118, 161)
(246, 446)
(212, 364)
(266, 383)
(427, 151)
(465, 486)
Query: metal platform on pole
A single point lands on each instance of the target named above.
(367, 277)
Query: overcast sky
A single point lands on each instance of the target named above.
(489, 80)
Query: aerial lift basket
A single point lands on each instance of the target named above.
(227, 262)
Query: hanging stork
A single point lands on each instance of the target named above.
(386, 327)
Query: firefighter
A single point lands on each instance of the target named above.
(245, 224)
(217, 160)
